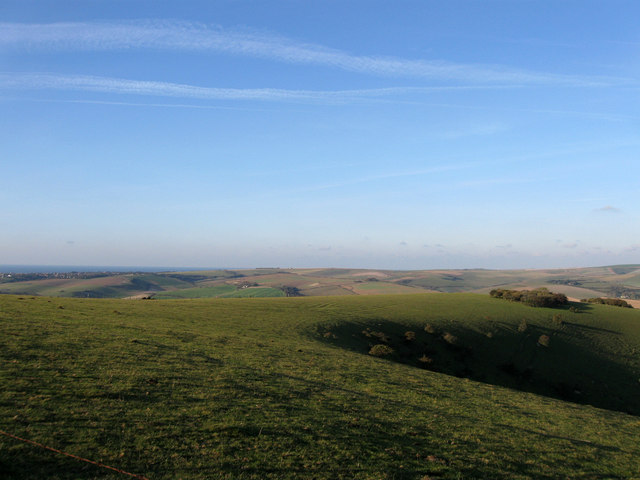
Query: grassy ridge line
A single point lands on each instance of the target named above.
(241, 388)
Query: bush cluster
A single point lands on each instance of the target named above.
(409, 336)
(540, 297)
(380, 350)
(617, 302)
(290, 291)
(450, 338)
(544, 340)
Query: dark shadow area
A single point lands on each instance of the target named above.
(578, 307)
(552, 361)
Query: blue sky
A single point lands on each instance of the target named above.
(409, 134)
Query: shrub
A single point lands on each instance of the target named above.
(544, 340)
(429, 329)
(616, 302)
(425, 360)
(523, 326)
(558, 320)
(380, 350)
(409, 336)
(450, 338)
(379, 335)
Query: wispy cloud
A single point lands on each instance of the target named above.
(185, 36)
(608, 209)
(128, 104)
(110, 85)
(383, 176)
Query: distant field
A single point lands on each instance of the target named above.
(327, 290)
(221, 291)
(285, 388)
(617, 282)
(255, 292)
(381, 288)
(203, 292)
(633, 280)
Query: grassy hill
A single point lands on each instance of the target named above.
(286, 388)
(617, 281)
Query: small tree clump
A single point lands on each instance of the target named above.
(290, 291)
(380, 350)
(539, 297)
(616, 302)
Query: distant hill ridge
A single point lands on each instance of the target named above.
(616, 281)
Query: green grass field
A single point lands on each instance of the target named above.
(372, 288)
(202, 292)
(255, 292)
(285, 388)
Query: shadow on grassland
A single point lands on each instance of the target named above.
(556, 361)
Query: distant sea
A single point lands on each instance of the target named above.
(91, 268)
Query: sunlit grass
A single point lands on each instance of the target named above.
(255, 388)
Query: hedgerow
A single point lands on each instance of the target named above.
(539, 297)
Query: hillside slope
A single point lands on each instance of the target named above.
(285, 388)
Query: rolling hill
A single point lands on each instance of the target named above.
(615, 281)
(296, 388)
